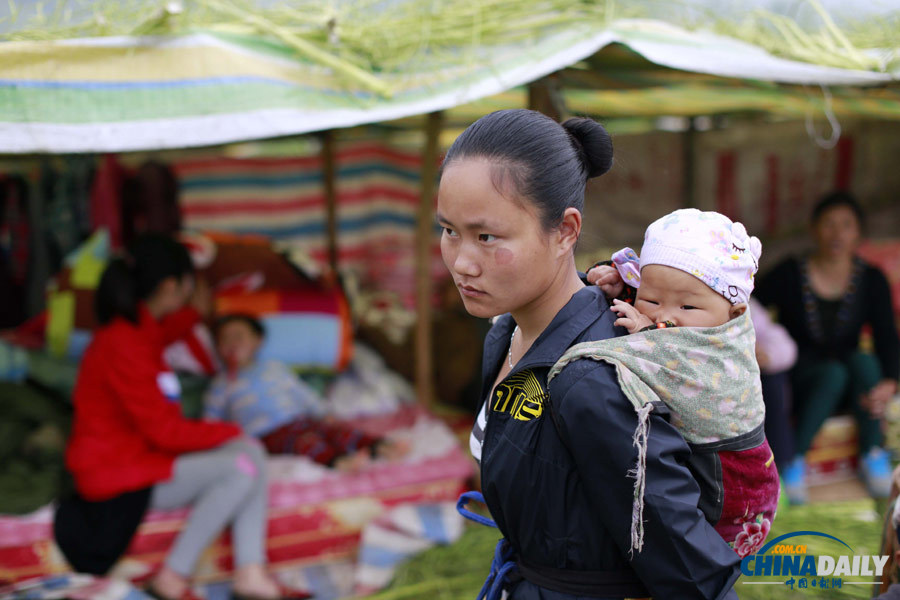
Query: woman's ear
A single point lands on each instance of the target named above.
(569, 230)
(737, 310)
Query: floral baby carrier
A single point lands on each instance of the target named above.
(709, 380)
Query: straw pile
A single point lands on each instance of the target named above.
(866, 45)
(362, 40)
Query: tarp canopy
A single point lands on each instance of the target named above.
(617, 84)
(111, 94)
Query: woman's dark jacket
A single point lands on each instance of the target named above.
(560, 493)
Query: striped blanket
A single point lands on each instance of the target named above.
(283, 199)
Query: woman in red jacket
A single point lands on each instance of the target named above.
(131, 449)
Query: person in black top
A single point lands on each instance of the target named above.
(824, 300)
(555, 456)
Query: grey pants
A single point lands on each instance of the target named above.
(226, 485)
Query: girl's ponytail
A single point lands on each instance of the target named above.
(116, 295)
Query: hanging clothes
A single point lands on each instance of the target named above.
(106, 199)
(65, 188)
(14, 249)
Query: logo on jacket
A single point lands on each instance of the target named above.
(169, 386)
(522, 396)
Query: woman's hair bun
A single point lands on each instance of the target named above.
(593, 144)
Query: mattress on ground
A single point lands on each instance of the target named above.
(315, 514)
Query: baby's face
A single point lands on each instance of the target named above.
(669, 294)
(237, 344)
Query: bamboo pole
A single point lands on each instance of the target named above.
(689, 180)
(424, 240)
(329, 177)
(545, 95)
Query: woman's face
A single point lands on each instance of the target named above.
(172, 294)
(837, 232)
(494, 245)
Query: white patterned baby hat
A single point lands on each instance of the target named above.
(709, 246)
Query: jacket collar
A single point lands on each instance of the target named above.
(579, 313)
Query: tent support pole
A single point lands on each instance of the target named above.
(688, 184)
(329, 180)
(424, 240)
(545, 95)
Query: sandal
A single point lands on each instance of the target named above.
(187, 595)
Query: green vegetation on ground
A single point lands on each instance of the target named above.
(456, 572)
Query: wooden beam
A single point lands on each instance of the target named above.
(329, 184)
(689, 183)
(545, 95)
(424, 243)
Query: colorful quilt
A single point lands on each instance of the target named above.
(73, 586)
(316, 515)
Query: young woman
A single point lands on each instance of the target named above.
(824, 300)
(555, 459)
(131, 449)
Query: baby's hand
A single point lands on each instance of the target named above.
(608, 279)
(629, 317)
